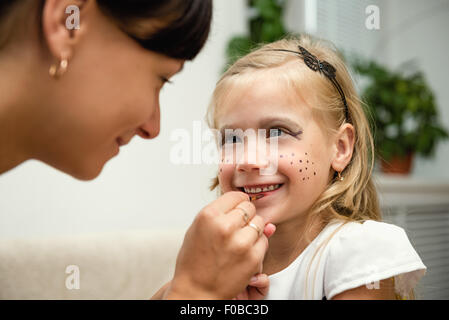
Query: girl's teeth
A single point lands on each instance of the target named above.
(264, 189)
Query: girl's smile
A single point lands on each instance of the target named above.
(267, 191)
(261, 189)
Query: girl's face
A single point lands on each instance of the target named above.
(303, 155)
(109, 94)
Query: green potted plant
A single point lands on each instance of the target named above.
(404, 113)
(265, 25)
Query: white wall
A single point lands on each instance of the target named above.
(140, 188)
(415, 29)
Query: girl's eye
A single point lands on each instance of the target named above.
(275, 132)
(230, 139)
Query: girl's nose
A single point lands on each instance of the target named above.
(252, 159)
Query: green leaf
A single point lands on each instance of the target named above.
(392, 98)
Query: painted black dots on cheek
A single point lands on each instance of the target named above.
(301, 169)
(308, 164)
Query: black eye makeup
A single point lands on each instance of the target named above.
(279, 131)
(281, 126)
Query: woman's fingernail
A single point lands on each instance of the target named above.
(253, 279)
(269, 229)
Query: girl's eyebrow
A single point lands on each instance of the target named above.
(267, 122)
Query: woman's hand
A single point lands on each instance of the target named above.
(221, 252)
(257, 288)
(259, 284)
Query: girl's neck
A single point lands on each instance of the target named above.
(288, 242)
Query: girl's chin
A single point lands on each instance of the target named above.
(270, 215)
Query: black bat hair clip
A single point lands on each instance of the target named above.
(323, 67)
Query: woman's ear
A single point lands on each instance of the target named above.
(344, 147)
(60, 32)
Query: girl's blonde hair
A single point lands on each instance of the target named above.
(354, 198)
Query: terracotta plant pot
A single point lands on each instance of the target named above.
(398, 165)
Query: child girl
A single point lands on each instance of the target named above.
(329, 242)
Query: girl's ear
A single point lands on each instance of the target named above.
(344, 147)
(60, 36)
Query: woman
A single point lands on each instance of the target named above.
(70, 97)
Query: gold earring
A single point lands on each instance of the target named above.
(57, 71)
(340, 178)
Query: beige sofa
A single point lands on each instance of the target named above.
(122, 265)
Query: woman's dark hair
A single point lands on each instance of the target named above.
(181, 38)
(183, 25)
(4, 6)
